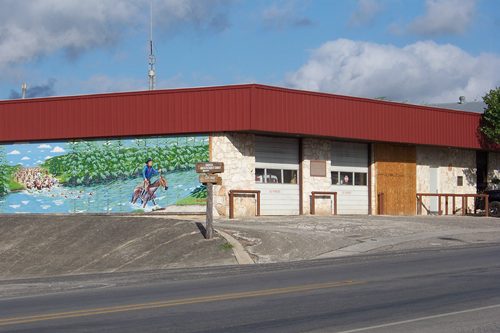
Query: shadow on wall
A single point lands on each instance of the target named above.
(470, 176)
(242, 143)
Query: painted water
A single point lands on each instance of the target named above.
(113, 197)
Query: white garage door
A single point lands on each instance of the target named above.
(276, 174)
(349, 169)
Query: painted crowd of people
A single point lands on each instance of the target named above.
(35, 178)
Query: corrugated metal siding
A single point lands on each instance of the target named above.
(307, 113)
(235, 108)
(182, 111)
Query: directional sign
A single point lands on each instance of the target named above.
(210, 167)
(206, 178)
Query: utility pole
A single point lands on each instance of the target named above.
(152, 58)
(24, 88)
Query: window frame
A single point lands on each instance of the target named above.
(353, 177)
(282, 173)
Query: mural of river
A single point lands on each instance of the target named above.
(111, 198)
(98, 176)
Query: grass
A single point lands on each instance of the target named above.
(15, 186)
(226, 246)
(12, 184)
(191, 201)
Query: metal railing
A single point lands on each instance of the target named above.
(315, 194)
(232, 193)
(453, 196)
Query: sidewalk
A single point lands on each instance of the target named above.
(276, 239)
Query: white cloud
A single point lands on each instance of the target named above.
(365, 12)
(25, 158)
(47, 157)
(44, 146)
(30, 29)
(57, 149)
(444, 17)
(14, 152)
(419, 72)
(284, 14)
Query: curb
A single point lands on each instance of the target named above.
(372, 245)
(242, 257)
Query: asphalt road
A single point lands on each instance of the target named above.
(453, 290)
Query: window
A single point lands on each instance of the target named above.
(290, 176)
(360, 178)
(460, 181)
(260, 175)
(335, 177)
(345, 178)
(275, 176)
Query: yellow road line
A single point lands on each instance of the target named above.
(170, 303)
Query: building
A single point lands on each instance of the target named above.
(286, 143)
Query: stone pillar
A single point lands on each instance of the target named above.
(237, 151)
(373, 182)
(316, 149)
(451, 163)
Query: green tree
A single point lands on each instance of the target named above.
(4, 174)
(490, 123)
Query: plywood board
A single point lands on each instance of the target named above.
(396, 177)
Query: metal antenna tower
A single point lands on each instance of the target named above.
(152, 58)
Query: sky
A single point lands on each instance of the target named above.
(418, 51)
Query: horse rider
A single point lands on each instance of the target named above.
(148, 172)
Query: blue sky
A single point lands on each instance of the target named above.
(410, 50)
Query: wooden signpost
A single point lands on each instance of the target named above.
(208, 176)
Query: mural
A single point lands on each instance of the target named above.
(95, 176)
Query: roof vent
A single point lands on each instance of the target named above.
(461, 100)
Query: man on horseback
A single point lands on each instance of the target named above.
(148, 172)
(148, 189)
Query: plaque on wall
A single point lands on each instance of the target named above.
(318, 168)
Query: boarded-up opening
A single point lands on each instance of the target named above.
(396, 178)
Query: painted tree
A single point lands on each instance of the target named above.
(4, 174)
(490, 123)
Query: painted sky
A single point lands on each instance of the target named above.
(33, 154)
(421, 51)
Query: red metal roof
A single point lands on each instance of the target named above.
(252, 107)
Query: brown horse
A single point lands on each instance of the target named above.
(148, 194)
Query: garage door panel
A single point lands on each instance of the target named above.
(277, 153)
(352, 158)
(276, 199)
(351, 201)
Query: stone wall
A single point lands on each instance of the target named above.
(237, 151)
(316, 149)
(493, 166)
(373, 182)
(451, 163)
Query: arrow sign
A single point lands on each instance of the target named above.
(206, 178)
